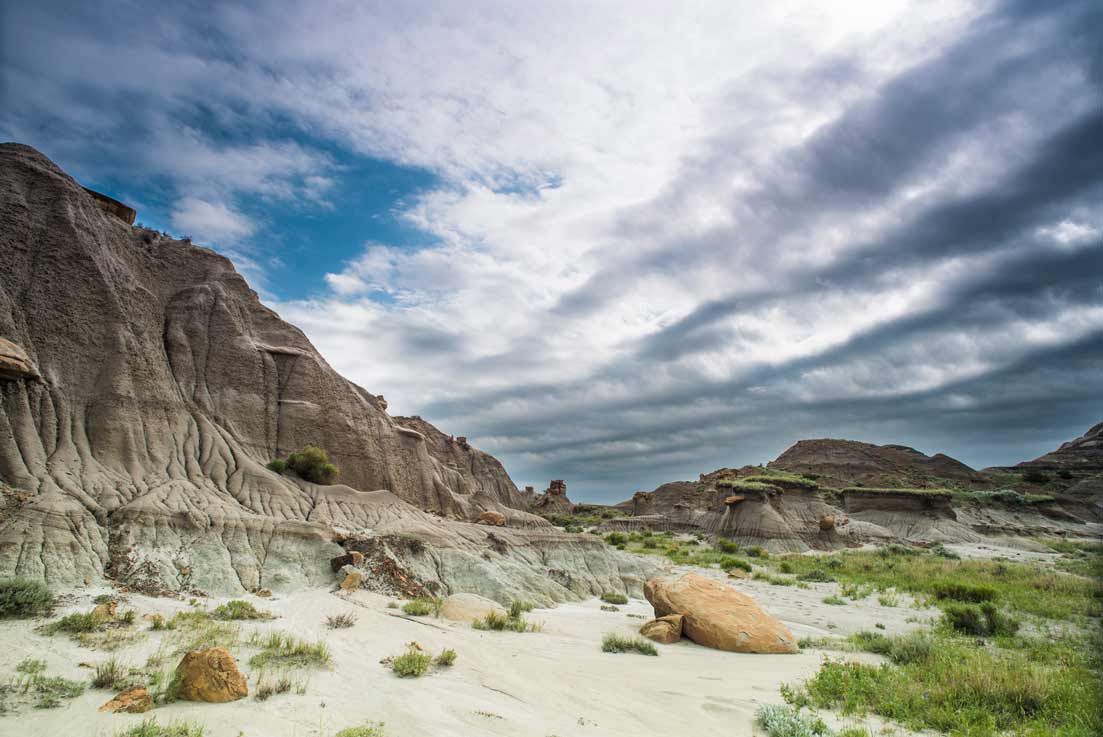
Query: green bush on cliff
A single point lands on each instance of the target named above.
(310, 464)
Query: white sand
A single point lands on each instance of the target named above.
(554, 682)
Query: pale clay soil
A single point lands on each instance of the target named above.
(553, 682)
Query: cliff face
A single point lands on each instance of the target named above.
(143, 387)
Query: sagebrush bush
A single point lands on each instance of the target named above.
(372, 729)
(614, 598)
(616, 538)
(420, 607)
(22, 597)
(411, 664)
(727, 546)
(983, 620)
(340, 621)
(780, 720)
(278, 465)
(446, 658)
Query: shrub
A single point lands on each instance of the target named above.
(238, 609)
(446, 658)
(729, 562)
(372, 729)
(757, 551)
(613, 598)
(616, 538)
(940, 550)
(650, 544)
(22, 597)
(614, 643)
(959, 591)
(517, 608)
(312, 464)
(411, 664)
(609, 608)
(982, 620)
(727, 546)
(834, 600)
(780, 720)
(278, 465)
(340, 621)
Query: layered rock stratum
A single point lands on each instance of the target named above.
(143, 388)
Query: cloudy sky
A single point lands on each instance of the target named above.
(625, 243)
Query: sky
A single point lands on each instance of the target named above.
(623, 243)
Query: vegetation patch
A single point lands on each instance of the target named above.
(941, 493)
(614, 643)
(150, 728)
(21, 598)
(786, 478)
(983, 620)
(514, 621)
(284, 650)
(422, 607)
(269, 685)
(238, 609)
(31, 686)
(371, 729)
(614, 598)
(310, 464)
(411, 664)
(780, 720)
(340, 621)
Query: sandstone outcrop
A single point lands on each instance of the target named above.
(554, 499)
(666, 629)
(718, 616)
(469, 607)
(492, 518)
(165, 386)
(133, 700)
(211, 676)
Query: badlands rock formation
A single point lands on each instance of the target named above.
(143, 388)
(1083, 455)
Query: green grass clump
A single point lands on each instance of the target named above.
(727, 546)
(284, 650)
(311, 463)
(238, 609)
(45, 692)
(446, 658)
(780, 720)
(150, 728)
(518, 608)
(112, 675)
(741, 485)
(21, 598)
(411, 664)
(782, 478)
(372, 729)
(614, 598)
(816, 575)
(910, 648)
(983, 620)
(420, 607)
(269, 685)
(616, 538)
(614, 643)
(757, 551)
(834, 600)
(730, 563)
(76, 623)
(494, 621)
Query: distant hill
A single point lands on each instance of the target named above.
(1084, 455)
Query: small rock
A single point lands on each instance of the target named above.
(134, 700)
(666, 629)
(827, 522)
(352, 558)
(264, 593)
(492, 518)
(211, 676)
(734, 499)
(352, 581)
(106, 610)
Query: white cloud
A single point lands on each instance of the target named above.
(212, 222)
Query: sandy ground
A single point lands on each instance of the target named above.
(554, 682)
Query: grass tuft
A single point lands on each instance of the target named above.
(284, 650)
(780, 720)
(150, 728)
(237, 610)
(614, 598)
(341, 621)
(614, 643)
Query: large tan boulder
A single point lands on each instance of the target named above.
(106, 611)
(469, 607)
(666, 629)
(827, 522)
(134, 700)
(210, 675)
(718, 616)
(492, 518)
